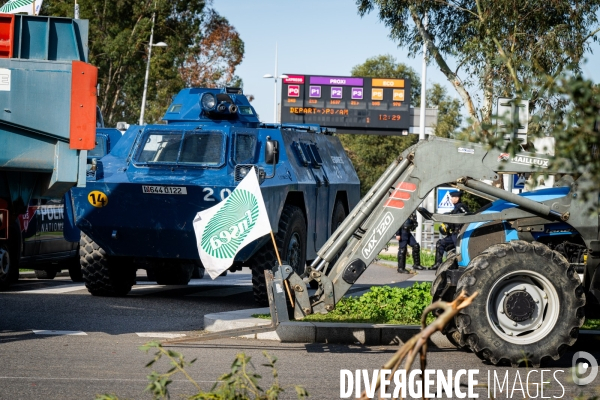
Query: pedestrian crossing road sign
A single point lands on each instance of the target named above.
(444, 203)
(519, 181)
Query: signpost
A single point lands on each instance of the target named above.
(443, 202)
(350, 104)
(512, 121)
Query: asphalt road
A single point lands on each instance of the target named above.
(101, 354)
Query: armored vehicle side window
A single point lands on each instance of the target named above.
(175, 108)
(99, 150)
(315, 156)
(245, 148)
(202, 148)
(245, 110)
(299, 149)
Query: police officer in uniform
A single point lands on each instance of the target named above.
(449, 242)
(405, 238)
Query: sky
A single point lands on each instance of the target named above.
(324, 37)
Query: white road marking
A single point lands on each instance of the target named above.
(222, 292)
(140, 290)
(51, 332)
(160, 335)
(56, 290)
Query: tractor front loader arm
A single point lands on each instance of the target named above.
(394, 197)
(397, 194)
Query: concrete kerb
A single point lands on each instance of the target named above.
(31, 274)
(318, 332)
(338, 333)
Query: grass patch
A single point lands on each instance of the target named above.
(389, 305)
(380, 305)
(427, 258)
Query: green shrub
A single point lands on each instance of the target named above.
(382, 304)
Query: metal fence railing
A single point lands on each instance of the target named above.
(428, 236)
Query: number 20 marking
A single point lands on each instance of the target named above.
(210, 192)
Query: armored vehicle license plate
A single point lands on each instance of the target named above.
(164, 189)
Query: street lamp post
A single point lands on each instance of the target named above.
(159, 44)
(275, 77)
(275, 117)
(419, 231)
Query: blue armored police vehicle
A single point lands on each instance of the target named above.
(137, 208)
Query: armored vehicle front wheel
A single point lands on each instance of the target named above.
(337, 217)
(45, 274)
(291, 243)
(75, 272)
(173, 272)
(198, 272)
(104, 275)
(530, 304)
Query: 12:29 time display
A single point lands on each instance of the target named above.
(389, 117)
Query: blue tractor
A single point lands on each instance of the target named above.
(137, 208)
(522, 296)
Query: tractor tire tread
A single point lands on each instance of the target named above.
(472, 321)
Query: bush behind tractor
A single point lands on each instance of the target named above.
(137, 209)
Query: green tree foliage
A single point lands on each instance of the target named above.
(118, 46)
(449, 117)
(501, 47)
(574, 128)
(386, 66)
(371, 154)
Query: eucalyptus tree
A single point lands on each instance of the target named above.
(118, 45)
(500, 48)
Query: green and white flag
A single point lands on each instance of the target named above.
(21, 6)
(224, 229)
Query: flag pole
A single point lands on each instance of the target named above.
(287, 287)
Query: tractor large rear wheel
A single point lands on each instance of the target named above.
(104, 275)
(291, 243)
(530, 304)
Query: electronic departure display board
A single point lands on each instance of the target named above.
(350, 104)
